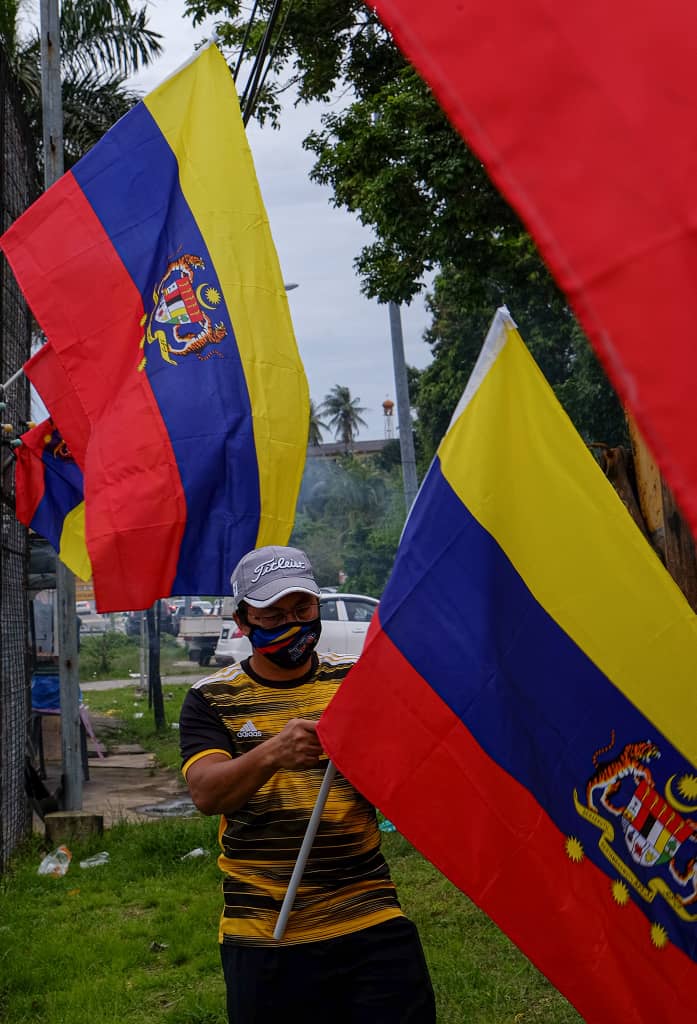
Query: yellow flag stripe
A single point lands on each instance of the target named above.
(73, 549)
(218, 180)
(515, 460)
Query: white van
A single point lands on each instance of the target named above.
(345, 619)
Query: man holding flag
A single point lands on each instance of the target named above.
(251, 754)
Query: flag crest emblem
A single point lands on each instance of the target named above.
(179, 320)
(645, 836)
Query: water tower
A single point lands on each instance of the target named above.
(388, 413)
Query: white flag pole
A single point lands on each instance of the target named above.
(10, 380)
(310, 833)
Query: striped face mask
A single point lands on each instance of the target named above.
(288, 645)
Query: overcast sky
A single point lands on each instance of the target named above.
(343, 337)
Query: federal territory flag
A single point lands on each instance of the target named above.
(46, 373)
(529, 684)
(151, 269)
(583, 117)
(49, 495)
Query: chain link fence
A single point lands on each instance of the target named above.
(17, 189)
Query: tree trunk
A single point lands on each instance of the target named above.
(663, 522)
(681, 555)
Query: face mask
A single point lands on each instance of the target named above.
(288, 645)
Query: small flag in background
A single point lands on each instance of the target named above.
(46, 373)
(151, 269)
(529, 680)
(49, 495)
(583, 117)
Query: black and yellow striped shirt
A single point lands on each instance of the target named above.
(346, 885)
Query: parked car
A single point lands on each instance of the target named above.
(166, 620)
(177, 603)
(232, 644)
(345, 619)
(92, 623)
(83, 608)
(197, 607)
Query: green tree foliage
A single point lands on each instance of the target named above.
(317, 43)
(394, 160)
(391, 157)
(349, 517)
(461, 318)
(344, 414)
(317, 425)
(102, 42)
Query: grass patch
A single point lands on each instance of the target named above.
(135, 941)
(114, 655)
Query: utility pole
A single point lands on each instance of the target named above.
(406, 437)
(155, 696)
(52, 113)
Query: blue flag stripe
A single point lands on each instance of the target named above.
(203, 400)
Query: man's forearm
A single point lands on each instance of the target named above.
(221, 786)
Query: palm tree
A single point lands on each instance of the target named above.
(344, 414)
(102, 42)
(316, 425)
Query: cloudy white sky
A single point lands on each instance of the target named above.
(343, 337)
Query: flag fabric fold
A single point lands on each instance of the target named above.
(49, 495)
(529, 682)
(46, 373)
(151, 269)
(581, 114)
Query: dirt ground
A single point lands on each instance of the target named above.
(121, 784)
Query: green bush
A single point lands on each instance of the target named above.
(114, 655)
(108, 656)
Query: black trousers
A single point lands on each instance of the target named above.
(375, 976)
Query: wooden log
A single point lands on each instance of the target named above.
(614, 463)
(649, 487)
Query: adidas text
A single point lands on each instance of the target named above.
(248, 731)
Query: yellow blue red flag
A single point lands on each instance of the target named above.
(49, 495)
(151, 269)
(529, 680)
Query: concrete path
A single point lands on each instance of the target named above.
(122, 783)
(117, 684)
(120, 787)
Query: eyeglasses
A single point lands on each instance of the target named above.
(305, 611)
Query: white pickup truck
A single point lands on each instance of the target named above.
(200, 634)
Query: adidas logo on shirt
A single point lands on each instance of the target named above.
(248, 731)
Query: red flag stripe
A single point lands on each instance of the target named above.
(118, 529)
(486, 833)
(46, 373)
